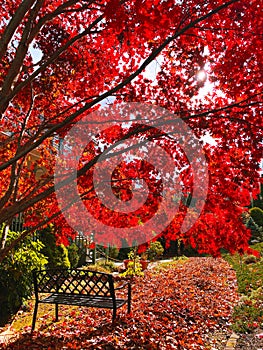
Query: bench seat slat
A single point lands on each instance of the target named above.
(70, 299)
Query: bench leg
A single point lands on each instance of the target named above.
(113, 315)
(34, 317)
(56, 311)
(129, 299)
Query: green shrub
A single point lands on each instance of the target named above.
(60, 258)
(16, 274)
(255, 223)
(249, 276)
(134, 267)
(155, 250)
(257, 215)
(109, 265)
(257, 294)
(250, 259)
(124, 250)
(73, 254)
(248, 314)
(102, 266)
(96, 267)
(113, 252)
(247, 317)
(57, 254)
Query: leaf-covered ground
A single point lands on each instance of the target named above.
(173, 307)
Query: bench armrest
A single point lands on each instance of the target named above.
(123, 285)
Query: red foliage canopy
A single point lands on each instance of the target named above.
(61, 59)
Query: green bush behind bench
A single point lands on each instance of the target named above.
(16, 274)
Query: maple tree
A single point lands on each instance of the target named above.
(61, 59)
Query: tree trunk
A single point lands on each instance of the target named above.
(4, 236)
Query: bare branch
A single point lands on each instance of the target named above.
(12, 26)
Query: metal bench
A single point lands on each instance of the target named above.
(78, 287)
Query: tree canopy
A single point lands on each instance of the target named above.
(200, 62)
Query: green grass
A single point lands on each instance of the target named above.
(248, 315)
(169, 264)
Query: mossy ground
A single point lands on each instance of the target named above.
(248, 315)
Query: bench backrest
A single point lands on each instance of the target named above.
(73, 281)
